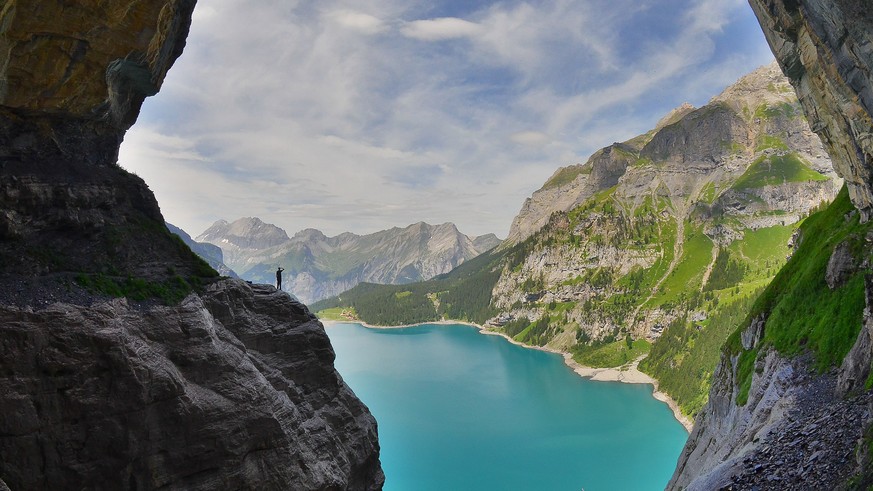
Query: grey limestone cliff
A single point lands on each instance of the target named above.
(825, 47)
(802, 428)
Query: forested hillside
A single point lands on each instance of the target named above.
(462, 294)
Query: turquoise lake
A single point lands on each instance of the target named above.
(458, 410)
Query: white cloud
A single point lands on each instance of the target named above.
(712, 15)
(530, 138)
(440, 29)
(334, 115)
(359, 21)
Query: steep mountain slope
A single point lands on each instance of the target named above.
(189, 381)
(791, 405)
(570, 186)
(665, 238)
(318, 266)
(688, 222)
(210, 253)
(689, 148)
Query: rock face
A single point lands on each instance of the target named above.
(72, 79)
(570, 186)
(820, 424)
(318, 267)
(825, 47)
(795, 432)
(233, 388)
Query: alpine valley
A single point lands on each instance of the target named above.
(718, 254)
(728, 253)
(318, 266)
(658, 245)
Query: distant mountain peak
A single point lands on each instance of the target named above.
(318, 266)
(309, 234)
(764, 84)
(244, 233)
(675, 115)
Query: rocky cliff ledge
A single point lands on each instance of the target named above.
(232, 387)
(791, 405)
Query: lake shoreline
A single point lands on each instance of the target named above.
(628, 374)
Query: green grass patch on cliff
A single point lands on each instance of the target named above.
(802, 313)
(783, 109)
(169, 292)
(688, 273)
(763, 250)
(565, 176)
(609, 355)
(766, 141)
(745, 369)
(777, 169)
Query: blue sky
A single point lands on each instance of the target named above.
(363, 115)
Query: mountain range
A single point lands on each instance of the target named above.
(192, 380)
(317, 266)
(664, 239)
(716, 253)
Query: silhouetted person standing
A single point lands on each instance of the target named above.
(279, 278)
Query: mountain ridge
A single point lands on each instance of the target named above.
(669, 234)
(318, 266)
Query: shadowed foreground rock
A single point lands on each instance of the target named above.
(232, 389)
(73, 76)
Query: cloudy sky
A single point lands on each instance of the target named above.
(363, 115)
